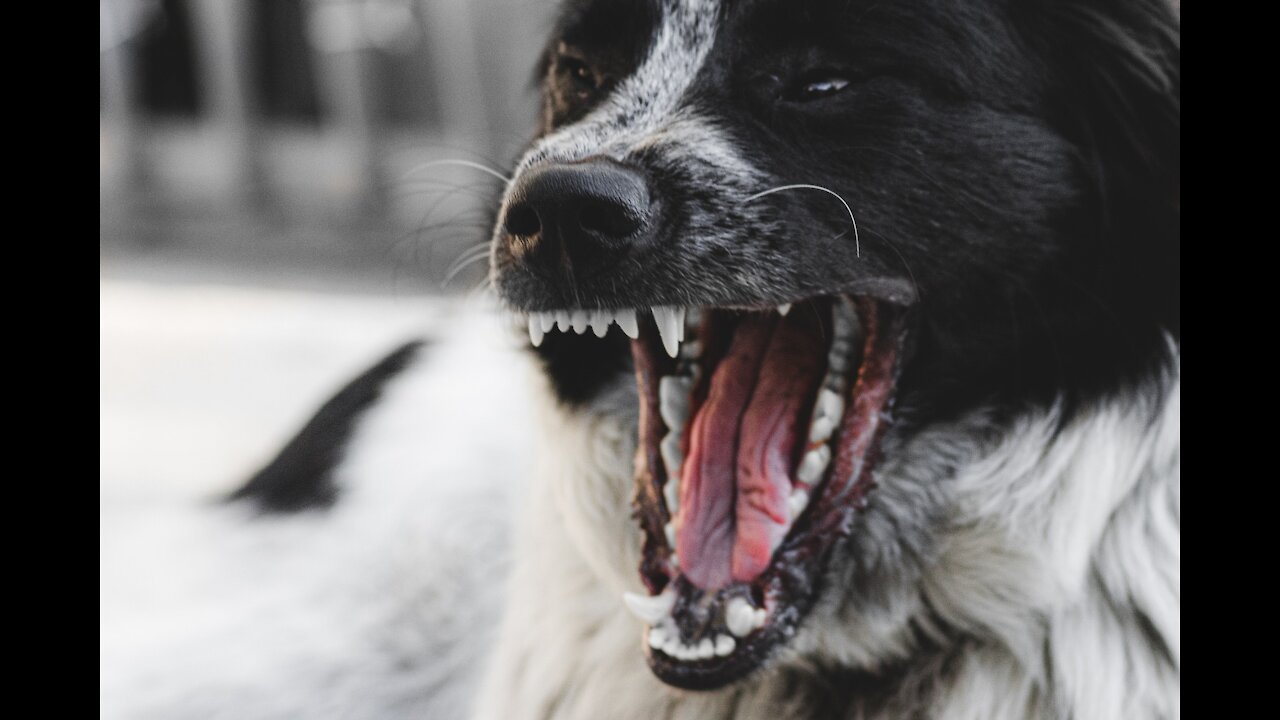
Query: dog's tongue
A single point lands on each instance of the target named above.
(737, 476)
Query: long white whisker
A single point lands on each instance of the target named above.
(857, 243)
(454, 272)
(463, 163)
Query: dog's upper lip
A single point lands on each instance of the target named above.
(889, 289)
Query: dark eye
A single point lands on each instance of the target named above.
(582, 79)
(817, 85)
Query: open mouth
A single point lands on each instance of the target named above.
(758, 434)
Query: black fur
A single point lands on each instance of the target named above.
(1016, 162)
(300, 477)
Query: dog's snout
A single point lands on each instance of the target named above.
(578, 216)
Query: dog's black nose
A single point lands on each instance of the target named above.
(577, 217)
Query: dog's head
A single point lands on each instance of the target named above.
(820, 229)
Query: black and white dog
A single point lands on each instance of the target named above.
(858, 330)
(896, 288)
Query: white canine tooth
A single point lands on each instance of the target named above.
(546, 321)
(740, 617)
(821, 429)
(672, 458)
(670, 322)
(814, 464)
(650, 608)
(626, 320)
(798, 501)
(784, 309)
(725, 645)
(670, 531)
(580, 321)
(673, 400)
(600, 320)
(562, 321)
(671, 493)
(657, 637)
(829, 404)
(706, 649)
(535, 330)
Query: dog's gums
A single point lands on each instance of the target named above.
(759, 430)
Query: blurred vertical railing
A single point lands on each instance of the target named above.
(230, 153)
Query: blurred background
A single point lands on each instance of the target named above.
(288, 188)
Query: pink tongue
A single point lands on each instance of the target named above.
(736, 478)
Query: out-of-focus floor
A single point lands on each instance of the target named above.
(200, 383)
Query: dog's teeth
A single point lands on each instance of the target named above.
(535, 330)
(673, 401)
(579, 321)
(784, 309)
(740, 617)
(657, 638)
(725, 645)
(650, 608)
(838, 358)
(626, 320)
(670, 322)
(672, 458)
(829, 404)
(600, 320)
(706, 649)
(671, 493)
(821, 429)
(844, 318)
(798, 501)
(670, 531)
(671, 645)
(562, 321)
(690, 350)
(546, 321)
(814, 464)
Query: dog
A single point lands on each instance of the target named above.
(854, 333)
(887, 296)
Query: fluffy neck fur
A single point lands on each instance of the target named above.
(1050, 588)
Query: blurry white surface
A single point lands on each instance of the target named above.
(201, 384)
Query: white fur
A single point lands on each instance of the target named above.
(383, 606)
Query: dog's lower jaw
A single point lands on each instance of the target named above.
(1023, 600)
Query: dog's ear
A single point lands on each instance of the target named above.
(1115, 91)
(1118, 85)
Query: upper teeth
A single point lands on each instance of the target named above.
(670, 322)
(582, 321)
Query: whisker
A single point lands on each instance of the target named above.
(463, 163)
(454, 272)
(857, 243)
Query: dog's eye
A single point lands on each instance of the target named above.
(582, 79)
(817, 85)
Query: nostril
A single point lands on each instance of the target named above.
(607, 220)
(522, 220)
